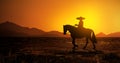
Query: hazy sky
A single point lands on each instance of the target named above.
(101, 15)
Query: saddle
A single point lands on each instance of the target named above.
(82, 30)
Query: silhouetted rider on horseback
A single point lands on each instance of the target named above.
(80, 25)
(80, 32)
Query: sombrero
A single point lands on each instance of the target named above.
(80, 18)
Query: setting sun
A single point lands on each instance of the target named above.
(90, 12)
(48, 15)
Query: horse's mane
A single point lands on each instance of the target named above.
(69, 26)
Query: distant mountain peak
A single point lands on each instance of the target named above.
(11, 29)
(115, 34)
(8, 23)
(101, 34)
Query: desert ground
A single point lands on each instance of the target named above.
(58, 50)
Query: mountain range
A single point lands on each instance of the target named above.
(115, 34)
(9, 29)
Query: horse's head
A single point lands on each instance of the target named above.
(69, 28)
(64, 29)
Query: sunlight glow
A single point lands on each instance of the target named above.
(91, 15)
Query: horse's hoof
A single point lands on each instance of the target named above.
(73, 51)
(73, 48)
(84, 48)
(95, 49)
(76, 45)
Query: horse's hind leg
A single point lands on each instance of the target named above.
(86, 43)
(94, 46)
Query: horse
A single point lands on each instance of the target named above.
(80, 33)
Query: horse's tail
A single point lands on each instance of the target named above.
(93, 37)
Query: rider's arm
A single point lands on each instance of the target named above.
(76, 24)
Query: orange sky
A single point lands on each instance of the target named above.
(101, 15)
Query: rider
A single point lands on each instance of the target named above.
(80, 25)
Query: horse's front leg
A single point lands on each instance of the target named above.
(86, 43)
(73, 42)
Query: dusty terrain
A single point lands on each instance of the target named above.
(59, 50)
